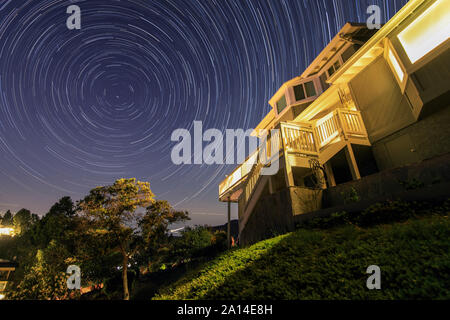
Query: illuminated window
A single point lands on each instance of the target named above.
(427, 31)
(396, 66)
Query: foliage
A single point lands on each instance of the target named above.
(64, 207)
(156, 221)
(7, 219)
(112, 217)
(102, 233)
(350, 196)
(378, 213)
(197, 242)
(414, 257)
(412, 184)
(43, 281)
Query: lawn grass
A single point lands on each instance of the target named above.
(330, 263)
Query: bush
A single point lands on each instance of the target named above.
(378, 213)
(350, 196)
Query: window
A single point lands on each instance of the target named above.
(336, 65)
(281, 104)
(304, 90)
(333, 68)
(330, 71)
(396, 66)
(347, 53)
(299, 92)
(427, 31)
(309, 88)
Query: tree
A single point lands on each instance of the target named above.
(55, 224)
(112, 213)
(155, 226)
(22, 221)
(7, 219)
(192, 243)
(64, 207)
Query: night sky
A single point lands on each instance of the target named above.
(81, 108)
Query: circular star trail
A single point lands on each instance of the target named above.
(80, 108)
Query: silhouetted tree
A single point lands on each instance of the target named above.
(64, 206)
(7, 219)
(22, 221)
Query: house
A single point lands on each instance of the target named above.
(7, 269)
(372, 100)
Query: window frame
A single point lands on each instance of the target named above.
(289, 94)
(389, 48)
(401, 51)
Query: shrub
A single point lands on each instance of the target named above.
(412, 184)
(378, 213)
(350, 196)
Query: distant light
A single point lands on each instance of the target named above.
(396, 65)
(176, 230)
(427, 31)
(5, 231)
(2, 296)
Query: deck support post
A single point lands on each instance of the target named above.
(330, 175)
(352, 162)
(271, 191)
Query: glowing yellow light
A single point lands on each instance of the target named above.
(396, 65)
(427, 31)
(2, 296)
(7, 231)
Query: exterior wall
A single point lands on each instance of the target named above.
(396, 137)
(275, 213)
(433, 79)
(272, 215)
(383, 107)
(424, 139)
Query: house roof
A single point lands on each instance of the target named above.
(264, 123)
(390, 26)
(351, 31)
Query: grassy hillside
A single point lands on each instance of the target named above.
(330, 262)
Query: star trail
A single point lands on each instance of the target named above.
(81, 108)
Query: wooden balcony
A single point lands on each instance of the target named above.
(319, 139)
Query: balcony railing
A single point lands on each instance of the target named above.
(307, 139)
(238, 174)
(352, 122)
(298, 138)
(327, 129)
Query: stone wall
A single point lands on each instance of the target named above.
(385, 183)
(427, 138)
